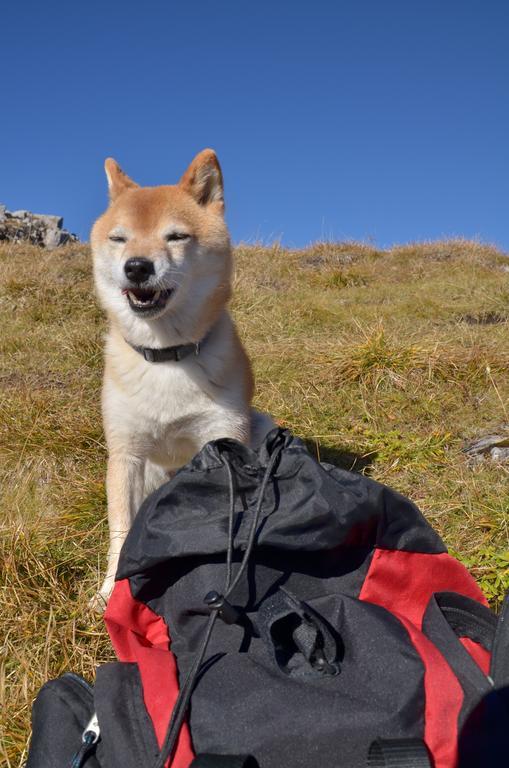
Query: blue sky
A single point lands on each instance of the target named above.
(385, 120)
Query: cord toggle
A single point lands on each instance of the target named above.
(225, 610)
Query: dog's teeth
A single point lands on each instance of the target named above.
(146, 301)
(134, 298)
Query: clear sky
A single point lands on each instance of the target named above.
(369, 119)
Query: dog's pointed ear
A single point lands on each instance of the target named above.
(203, 180)
(118, 181)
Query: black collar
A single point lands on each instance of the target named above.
(167, 353)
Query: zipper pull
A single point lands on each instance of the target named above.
(93, 728)
(89, 738)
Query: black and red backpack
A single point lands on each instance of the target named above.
(272, 610)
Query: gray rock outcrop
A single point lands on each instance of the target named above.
(35, 228)
(494, 447)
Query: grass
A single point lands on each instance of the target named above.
(384, 361)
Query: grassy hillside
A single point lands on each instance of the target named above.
(385, 361)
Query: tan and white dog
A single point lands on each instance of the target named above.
(176, 374)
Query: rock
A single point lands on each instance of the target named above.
(36, 228)
(20, 214)
(55, 236)
(494, 447)
(484, 318)
(50, 221)
(499, 454)
(52, 238)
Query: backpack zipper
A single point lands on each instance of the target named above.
(92, 732)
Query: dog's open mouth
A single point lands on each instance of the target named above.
(144, 300)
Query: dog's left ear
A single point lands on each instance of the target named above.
(203, 180)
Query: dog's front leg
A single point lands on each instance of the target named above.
(124, 489)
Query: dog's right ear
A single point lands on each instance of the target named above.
(118, 181)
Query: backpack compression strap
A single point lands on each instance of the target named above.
(398, 753)
(384, 753)
(224, 761)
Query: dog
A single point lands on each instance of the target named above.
(176, 374)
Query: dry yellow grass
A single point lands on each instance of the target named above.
(386, 361)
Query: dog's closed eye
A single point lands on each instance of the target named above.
(117, 239)
(174, 236)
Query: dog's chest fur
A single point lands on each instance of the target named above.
(167, 411)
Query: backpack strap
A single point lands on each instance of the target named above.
(499, 667)
(398, 753)
(450, 616)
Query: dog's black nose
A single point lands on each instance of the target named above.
(138, 270)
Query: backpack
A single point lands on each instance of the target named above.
(272, 610)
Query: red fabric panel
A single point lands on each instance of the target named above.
(444, 699)
(403, 582)
(479, 654)
(140, 635)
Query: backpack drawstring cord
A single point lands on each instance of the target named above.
(217, 604)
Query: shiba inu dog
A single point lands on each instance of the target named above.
(176, 375)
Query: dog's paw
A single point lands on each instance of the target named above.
(100, 600)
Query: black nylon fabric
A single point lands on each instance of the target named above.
(287, 713)
(309, 507)
(483, 738)
(127, 733)
(60, 714)
(64, 707)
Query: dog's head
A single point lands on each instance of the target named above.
(158, 249)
